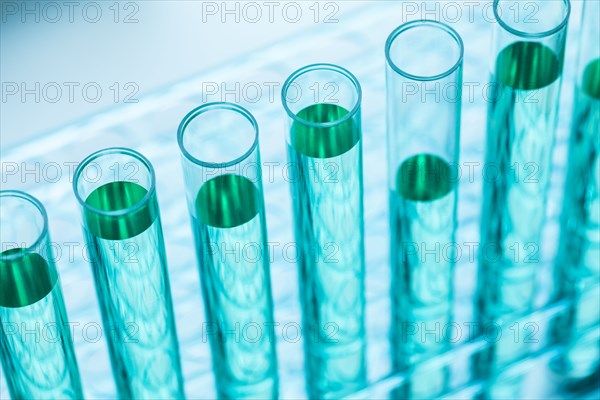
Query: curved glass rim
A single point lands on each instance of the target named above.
(40, 207)
(431, 23)
(531, 35)
(196, 112)
(327, 67)
(105, 152)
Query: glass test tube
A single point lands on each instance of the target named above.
(424, 90)
(36, 347)
(325, 154)
(222, 170)
(526, 75)
(116, 190)
(578, 261)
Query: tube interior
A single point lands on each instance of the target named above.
(112, 169)
(424, 50)
(218, 134)
(532, 18)
(22, 221)
(321, 84)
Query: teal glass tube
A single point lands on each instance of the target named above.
(222, 170)
(526, 75)
(323, 103)
(423, 131)
(578, 260)
(36, 348)
(116, 190)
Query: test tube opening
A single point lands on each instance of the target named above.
(126, 170)
(411, 43)
(532, 19)
(321, 84)
(117, 190)
(23, 223)
(218, 135)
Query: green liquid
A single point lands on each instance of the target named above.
(527, 66)
(578, 259)
(115, 196)
(24, 280)
(227, 201)
(32, 311)
(234, 270)
(423, 221)
(328, 211)
(591, 79)
(424, 177)
(319, 142)
(522, 119)
(129, 265)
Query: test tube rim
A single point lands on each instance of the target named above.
(40, 207)
(419, 23)
(105, 152)
(196, 112)
(322, 66)
(532, 35)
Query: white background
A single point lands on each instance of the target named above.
(170, 41)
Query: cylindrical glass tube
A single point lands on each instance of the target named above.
(221, 165)
(526, 75)
(36, 347)
(424, 89)
(578, 261)
(323, 103)
(121, 222)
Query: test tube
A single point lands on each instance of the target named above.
(222, 170)
(324, 141)
(116, 190)
(526, 75)
(36, 347)
(423, 130)
(578, 260)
